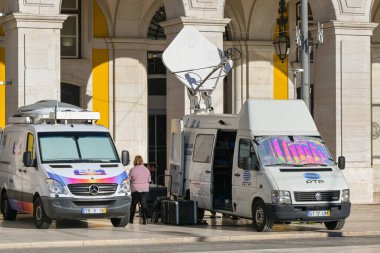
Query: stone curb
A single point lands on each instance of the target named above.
(180, 240)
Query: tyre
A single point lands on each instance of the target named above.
(8, 212)
(120, 222)
(260, 217)
(41, 221)
(335, 225)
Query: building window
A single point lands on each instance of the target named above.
(70, 94)
(156, 32)
(70, 33)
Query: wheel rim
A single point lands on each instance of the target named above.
(260, 216)
(38, 213)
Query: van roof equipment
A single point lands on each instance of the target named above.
(52, 111)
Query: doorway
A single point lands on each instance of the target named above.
(157, 113)
(222, 170)
(157, 143)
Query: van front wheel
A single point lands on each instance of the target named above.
(335, 225)
(260, 217)
(8, 212)
(120, 222)
(41, 221)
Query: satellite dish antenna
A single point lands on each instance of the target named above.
(198, 64)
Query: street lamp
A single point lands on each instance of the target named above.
(282, 43)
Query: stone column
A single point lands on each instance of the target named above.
(129, 108)
(343, 101)
(32, 46)
(260, 68)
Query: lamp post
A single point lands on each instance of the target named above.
(305, 53)
(282, 43)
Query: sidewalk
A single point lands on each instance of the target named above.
(364, 221)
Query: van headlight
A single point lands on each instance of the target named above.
(125, 186)
(55, 187)
(346, 195)
(281, 197)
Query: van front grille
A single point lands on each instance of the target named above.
(95, 189)
(316, 196)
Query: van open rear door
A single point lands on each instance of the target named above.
(176, 159)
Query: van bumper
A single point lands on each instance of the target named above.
(288, 213)
(71, 208)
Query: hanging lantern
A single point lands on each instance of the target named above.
(282, 43)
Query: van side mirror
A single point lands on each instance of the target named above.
(27, 159)
(125, 157)
(342, 162)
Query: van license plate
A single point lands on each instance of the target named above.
(93, 210)
(318, 213)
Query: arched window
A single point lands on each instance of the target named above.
(157, 97)
(156, 32)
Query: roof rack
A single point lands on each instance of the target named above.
(52, 111)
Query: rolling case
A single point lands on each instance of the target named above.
(165, 211)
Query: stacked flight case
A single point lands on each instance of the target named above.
(179, 212)
(155, 191)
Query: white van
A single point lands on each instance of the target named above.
(55, 163)
(268, 164)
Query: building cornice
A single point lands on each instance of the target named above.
(349, 28)
(20, 20)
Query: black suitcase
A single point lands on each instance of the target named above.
(165, 211)
(156, 191)
(183, 212)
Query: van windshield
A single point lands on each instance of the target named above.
(77, 147)
(293, 151)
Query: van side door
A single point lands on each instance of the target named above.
(176, 158)
(200, 173)
(244, 180)
(12, 158)
(30, 176)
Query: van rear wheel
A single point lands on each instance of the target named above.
(8, 212)
(335, 225)
(41, 221)
(260, 217)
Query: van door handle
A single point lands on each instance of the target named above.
(208, 171)
(237, 174)
(24, 171)
(20, 170)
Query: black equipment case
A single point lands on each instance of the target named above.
(179, 212)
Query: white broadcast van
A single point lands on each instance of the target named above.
(268, 163)
(56, 163)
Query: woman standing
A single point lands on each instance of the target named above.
(140, 178)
